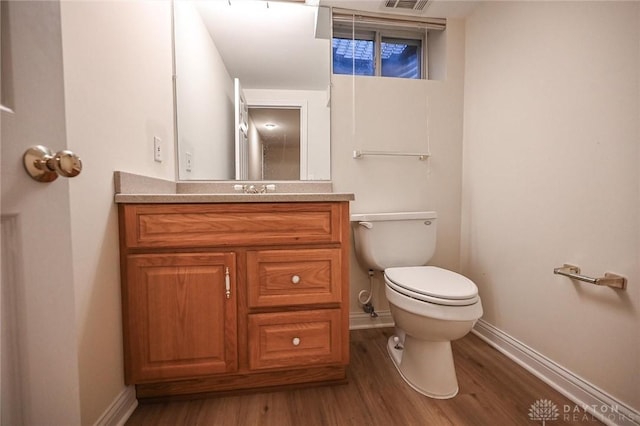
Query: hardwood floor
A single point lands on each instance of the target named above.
(493, 391)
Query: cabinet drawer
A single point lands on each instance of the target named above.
(207, 225)
(295, 339)
(294, 277)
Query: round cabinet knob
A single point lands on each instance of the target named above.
(295, 279)
(296, 341)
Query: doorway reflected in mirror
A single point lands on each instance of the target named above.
(274, 143)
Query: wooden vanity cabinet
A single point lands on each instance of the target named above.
(229, 296)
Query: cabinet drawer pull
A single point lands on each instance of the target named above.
(227, 282)
(295, 279)
(296, 341)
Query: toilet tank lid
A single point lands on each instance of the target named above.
(378, 217)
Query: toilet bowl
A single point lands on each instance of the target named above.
(431, 306)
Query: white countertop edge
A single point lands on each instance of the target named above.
(231, 198)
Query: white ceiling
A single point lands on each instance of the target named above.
(434, 9)
(268, 48)
(272, 44)
(287, 120)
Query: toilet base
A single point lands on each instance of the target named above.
(426, 366)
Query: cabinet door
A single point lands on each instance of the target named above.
(180, 315)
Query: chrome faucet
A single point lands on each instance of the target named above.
(253, 189)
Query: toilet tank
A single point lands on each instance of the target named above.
(384, 240)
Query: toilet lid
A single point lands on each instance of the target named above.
(432, 282)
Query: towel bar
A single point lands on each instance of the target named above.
(609, 279)
(421, 155)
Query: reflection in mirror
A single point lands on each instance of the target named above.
(280, 53)
(277, 143)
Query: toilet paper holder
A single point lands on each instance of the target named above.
(609, 279)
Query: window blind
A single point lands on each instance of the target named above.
(346, 16)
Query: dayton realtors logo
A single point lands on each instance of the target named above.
(543, 410)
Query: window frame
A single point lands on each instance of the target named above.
(363, 31)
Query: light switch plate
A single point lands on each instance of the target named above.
(188, 161)
(157, 149)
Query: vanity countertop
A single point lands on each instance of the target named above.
(232, 198)
(131, 188)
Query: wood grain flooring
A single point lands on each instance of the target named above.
(493, 391)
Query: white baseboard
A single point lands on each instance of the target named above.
(588, 397)
(120, 409)
(362, 320)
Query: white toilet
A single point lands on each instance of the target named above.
(431, 306)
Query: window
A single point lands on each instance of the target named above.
(353, 56)
(401, 58)
(374, 46)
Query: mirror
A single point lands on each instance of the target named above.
(279, 52)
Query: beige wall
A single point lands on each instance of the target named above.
(118, 94)
(552, 92)
(402, 115)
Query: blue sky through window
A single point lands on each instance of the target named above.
(363, 49)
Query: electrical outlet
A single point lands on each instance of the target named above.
(188, 161)
(157, 149)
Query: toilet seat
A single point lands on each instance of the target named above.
(432, 284)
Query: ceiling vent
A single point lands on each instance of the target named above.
(406, 5)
